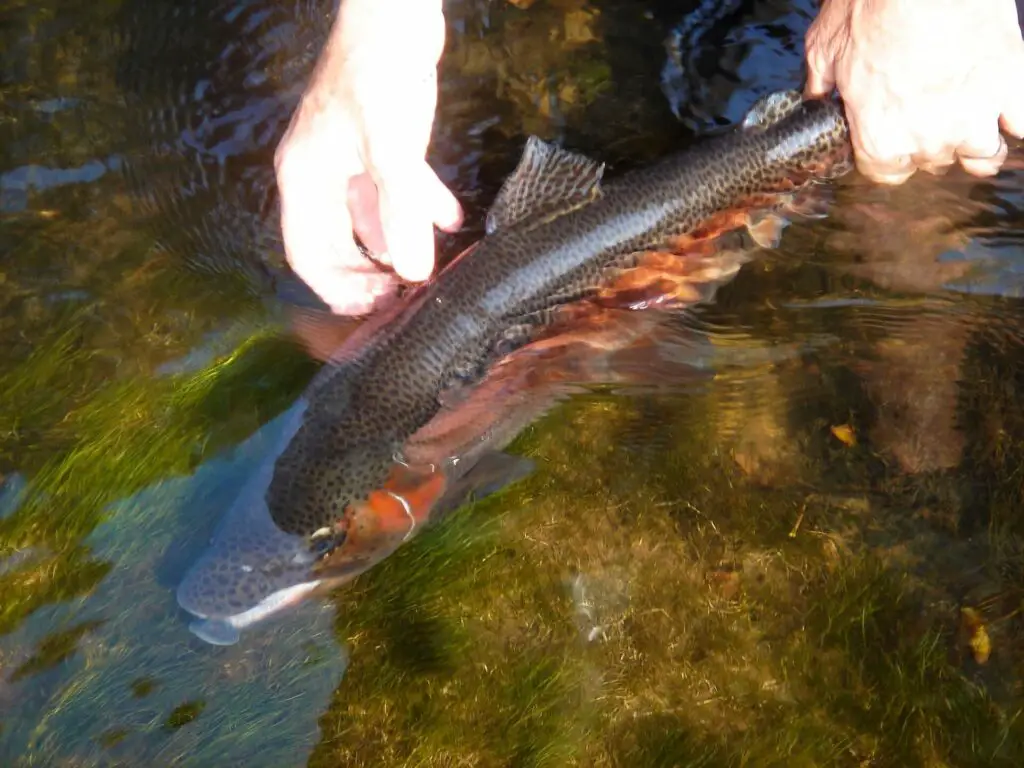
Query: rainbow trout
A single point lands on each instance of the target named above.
(348, 475)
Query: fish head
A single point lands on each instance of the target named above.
(254, 569)
(250, 571)
(267, 557)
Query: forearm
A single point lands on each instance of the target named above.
(913, 8)
(366, 37)
(391, 24)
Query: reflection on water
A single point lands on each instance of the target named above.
(814, 557)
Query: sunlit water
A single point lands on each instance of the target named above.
(702, 572)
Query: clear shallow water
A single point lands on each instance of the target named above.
(692, 576)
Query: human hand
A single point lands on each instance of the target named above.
(926, 83)
(354, 157)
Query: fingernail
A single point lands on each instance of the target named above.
(981, 167)
(416, 272)
(969, 153)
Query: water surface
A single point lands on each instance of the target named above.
(812, 556)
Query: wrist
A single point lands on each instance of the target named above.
(383, 27)
(362, 46)
(916, 9)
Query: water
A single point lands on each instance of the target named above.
(796, 560)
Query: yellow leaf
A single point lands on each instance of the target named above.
(977, 635)
(845, 434)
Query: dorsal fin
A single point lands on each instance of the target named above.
(770, 109)
(548, 180)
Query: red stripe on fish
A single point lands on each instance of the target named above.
(398, 507)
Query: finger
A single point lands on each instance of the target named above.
(407, 222)
(892, 176)
(935, 159)
(1012, 118)
(318, 240)
(985, 154)
(365, 209)
(821, 75)
(394, 150)
(882, 149)
(364, 205)
(336, 271)
(445, 209)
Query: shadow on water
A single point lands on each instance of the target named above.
(810, 559)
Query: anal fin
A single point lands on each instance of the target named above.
(766, 225)
(812, 202)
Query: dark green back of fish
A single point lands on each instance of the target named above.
(554, 232)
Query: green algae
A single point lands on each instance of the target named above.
(122, 482)
(631, 603)
(821, 657)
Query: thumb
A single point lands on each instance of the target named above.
(406, 200)
(1013, 109)
(317, 230)
(395, 141)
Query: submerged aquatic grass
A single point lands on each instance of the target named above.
(685, 581)
(144, 472)
(642, 599)
(130, 434)
(653, 608)
(675, 585)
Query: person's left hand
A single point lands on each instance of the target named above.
(926, 83)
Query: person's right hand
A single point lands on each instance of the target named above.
(354, 157)
(926, 83)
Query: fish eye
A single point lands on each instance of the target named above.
(323, 544)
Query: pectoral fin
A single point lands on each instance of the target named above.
(493, 472)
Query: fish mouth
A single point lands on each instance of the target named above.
(248, 574)
(252, 569)
(227, 629)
